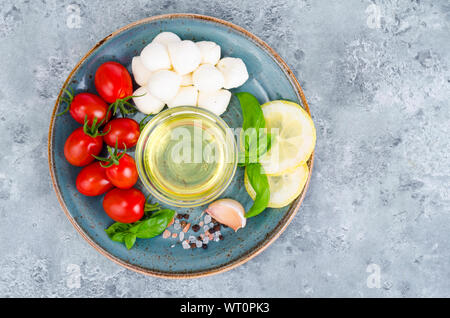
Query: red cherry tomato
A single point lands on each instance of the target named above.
(113, 82)
(90, 105)
(125, 131)
(123, 175)
(80, 147)
(125, 206)
(92, 180)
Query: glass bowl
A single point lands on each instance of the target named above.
(186, 156)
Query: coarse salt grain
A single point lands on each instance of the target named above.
(177, 221)
(205, 240)
(166, 234)
(186, 228)
(177, 226)
(198, 244)
(192, 239)
(201, 223)
(186, 245)
(206, 228)
(181, 236)
(207, 218)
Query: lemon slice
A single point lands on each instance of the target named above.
(295, 136)
(284, 188)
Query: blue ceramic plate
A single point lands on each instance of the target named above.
(270, 79)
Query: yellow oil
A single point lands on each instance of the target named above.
(185, 156)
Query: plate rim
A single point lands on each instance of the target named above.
(270, 237)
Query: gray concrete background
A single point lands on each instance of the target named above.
(376, 74)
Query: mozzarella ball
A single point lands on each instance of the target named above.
(185, 56)
(216, 102)
(210, 52)
(146, 103)
(187, 96)
(166, 38)
(207, 78)
(186, 80)
(140, 72)
(155, 57)
(234, 71)
(164, 85)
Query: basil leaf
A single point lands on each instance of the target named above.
(117, 228)
(156, 224)
(256, 151)
(135, 227)
(256, 142)
(251, 111)
(260, 184)
(130, 239)
(150, 226)
(119, 237)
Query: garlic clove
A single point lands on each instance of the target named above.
(228, 212)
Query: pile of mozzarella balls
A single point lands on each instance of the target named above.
(173, 72)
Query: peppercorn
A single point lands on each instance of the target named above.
(193, 245)
(216, 227)
(196, 227)
(186, 216)
(221, 237)
(205, 246)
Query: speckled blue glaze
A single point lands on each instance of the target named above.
(267, 82)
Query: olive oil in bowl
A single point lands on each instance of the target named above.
(186, 156)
